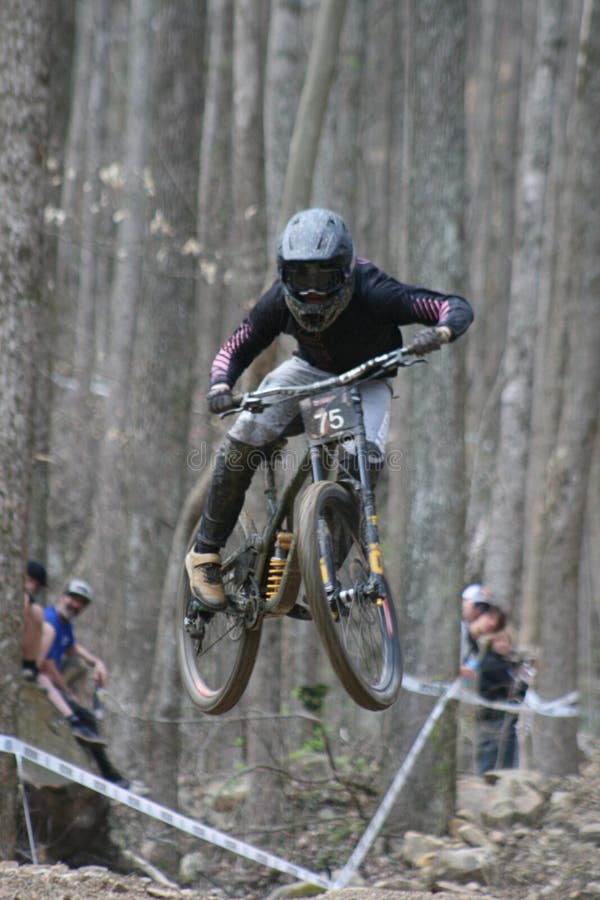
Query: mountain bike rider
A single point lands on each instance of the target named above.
(341, 310)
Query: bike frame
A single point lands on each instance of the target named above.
(281, 508)
(330, 533)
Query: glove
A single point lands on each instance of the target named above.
(429, 339)
(219, 398)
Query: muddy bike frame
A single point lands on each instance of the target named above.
(353, 613)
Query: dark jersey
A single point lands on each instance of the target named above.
(498, 680)
(368, 326)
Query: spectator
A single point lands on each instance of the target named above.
(502, 676)
(58, 641)
(475, 600)
(487, 622)
(33, 617)
(58, 638)
(35, 580)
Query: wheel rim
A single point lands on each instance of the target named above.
(365, 626)
(217, 651)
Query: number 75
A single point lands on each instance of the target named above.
(329, 420)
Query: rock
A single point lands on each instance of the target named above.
(191, 867)
(297, 889)
(395, 883)
(513, 800)
(70, 823)
(561, 800)
(472, 794)
(230, 794)
(418, 849)
(472, 835)
(464, 865)
(455, 824)
(41, 725)
(590, 832)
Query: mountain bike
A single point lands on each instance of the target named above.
(316, 557)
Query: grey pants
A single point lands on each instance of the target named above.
(266, 427)
(239, 456)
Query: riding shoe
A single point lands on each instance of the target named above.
(206, 584)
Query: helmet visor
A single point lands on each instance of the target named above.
(305, 278)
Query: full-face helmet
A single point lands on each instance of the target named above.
(316, 261)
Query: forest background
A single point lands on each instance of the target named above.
(150, 152)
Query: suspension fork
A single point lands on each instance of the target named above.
(367, 495)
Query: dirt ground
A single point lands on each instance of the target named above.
(558, 859)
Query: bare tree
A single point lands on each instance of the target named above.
(336, 183)
(24, 30)
(493, 126)
(110, 537)
(162, 378)
(433, 554)
(553, 319)
(249, 220)
(73, 443)
(265, 802)
(568, 468)
(283, 83)
(503, 561)
(312, 109)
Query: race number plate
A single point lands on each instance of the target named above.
(329, 416)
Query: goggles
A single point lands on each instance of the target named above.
(305, 278)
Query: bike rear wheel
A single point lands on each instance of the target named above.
(359, 631)
(217, 651)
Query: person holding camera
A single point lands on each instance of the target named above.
(502, 677)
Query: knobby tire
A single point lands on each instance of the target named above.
(362, 640)
(216, 674)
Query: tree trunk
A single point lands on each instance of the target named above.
(490, 273)
(215, 212)
(434, 563)
(566, 477)
(162, 379)
(73, 480)
(249, 232)
(283, 84)
(24, 30)
(311, 111)
(503, 562)
(337, 174)
(551, 349)
(119, 609)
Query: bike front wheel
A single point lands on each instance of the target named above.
(217, 651)
(357, 624)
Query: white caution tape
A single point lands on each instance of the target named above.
(378, 820)
(562, 707)
(23, 751)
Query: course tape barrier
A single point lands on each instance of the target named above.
(378, 820)
(23, 751)
(563, 706)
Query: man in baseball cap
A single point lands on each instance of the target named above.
(58, 641)
(58, 638)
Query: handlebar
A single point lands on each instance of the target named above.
(256, 401)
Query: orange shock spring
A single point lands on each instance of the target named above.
(277, 563)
